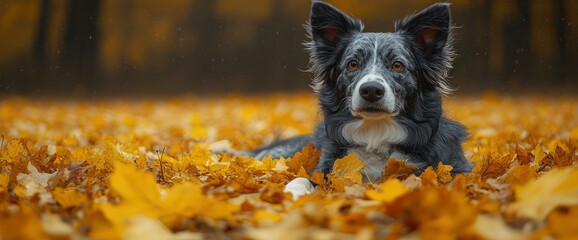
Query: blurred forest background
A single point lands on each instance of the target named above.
(135, 47)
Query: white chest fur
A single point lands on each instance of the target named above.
(374, 138)
(374, 134)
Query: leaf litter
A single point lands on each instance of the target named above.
(139, 169)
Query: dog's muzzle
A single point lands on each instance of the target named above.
(373, 98)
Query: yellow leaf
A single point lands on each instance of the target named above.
(539, 155)
(537, 198)
(346, 172)
(14, 149)
(141, 196)
(390, 190)
(188, 199)
(68, 197)
(139, 192)
(557, 143)
(444, 172)
(268, 164)
(348, 168)
(266, 216)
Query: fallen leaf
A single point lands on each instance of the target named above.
(306, 159)
(398, 169)
(494, 227)
(390, 190)
(139, 227)
(429, 177)
(35, 182)
(346, 172)
(69, 197)
(562, 223)
(264, 217)
(444, 172)
(141, 196)
(537, 198)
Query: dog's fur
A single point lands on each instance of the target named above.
(371, 105)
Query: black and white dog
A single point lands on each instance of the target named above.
(380, 93)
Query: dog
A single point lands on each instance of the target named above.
(380, 93)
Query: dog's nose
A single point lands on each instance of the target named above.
(371, 91)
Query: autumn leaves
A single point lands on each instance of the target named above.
(144, 169)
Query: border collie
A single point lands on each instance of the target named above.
(380, 93)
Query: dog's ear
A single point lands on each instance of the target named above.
(328, 25)
(429, 29)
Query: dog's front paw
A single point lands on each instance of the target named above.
(299, 187)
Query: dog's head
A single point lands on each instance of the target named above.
(376, 75)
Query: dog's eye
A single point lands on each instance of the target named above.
(397, 66)
(352, 65)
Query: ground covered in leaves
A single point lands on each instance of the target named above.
(141, 169)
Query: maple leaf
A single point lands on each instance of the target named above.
(142, 196)
(390, 190)
(511, 151)
(306, 159)
(444, 172)
(537, 198)
(68, 197)
(429, 177)
(492, 165)
(520, 174)
(318, 178)
(397, 169)
(434, 212)
(346, 172)
(268, 164)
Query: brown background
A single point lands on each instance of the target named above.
(141, 47)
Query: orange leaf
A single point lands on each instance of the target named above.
(563, 224)
(397, 169)
(307, 158)
(429, 177)
(317, 178)
(444, 172)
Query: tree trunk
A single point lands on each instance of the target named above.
(80, 50)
